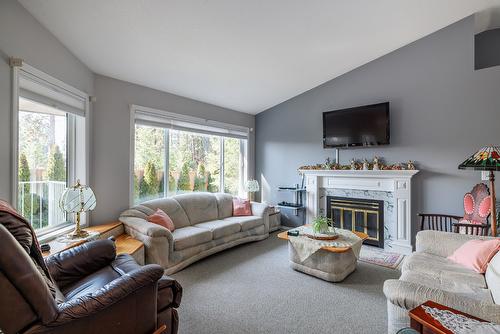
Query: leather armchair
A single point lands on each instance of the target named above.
(96, 291)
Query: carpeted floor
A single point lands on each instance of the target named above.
(251, 289)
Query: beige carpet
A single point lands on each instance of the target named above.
(251, 289)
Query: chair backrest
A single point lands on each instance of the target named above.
(477, 205)
(26, 298)
(492, 277)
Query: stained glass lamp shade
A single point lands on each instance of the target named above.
(486, 159)
(77, 199)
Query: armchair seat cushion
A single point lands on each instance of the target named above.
(220, 228)
(190, 236)
(442, 269)
(122, 265)
(246, 222)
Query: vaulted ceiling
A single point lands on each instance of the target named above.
(246, 55)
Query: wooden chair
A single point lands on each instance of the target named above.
(475, 220)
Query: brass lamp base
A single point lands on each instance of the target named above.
(78, 233)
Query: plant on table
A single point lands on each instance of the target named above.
(322, 224)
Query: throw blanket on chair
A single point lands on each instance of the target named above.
(23, 232)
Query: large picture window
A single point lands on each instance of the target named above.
(50, 147)
(171, 160)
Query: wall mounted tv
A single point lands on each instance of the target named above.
(358, 126)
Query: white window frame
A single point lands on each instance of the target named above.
(50, 233)
(163, 119)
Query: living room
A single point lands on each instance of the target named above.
(249, 167)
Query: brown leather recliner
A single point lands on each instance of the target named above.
(85, 289)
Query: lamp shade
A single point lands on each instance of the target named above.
(252, 186)
(79, 198)
(487, 158)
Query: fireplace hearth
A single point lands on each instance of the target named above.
(360, 215)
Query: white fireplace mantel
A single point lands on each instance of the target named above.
(397, 182)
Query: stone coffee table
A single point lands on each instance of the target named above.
(331, 264)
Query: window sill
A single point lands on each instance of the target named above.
(52, 235)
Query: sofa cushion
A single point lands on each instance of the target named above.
(224, 205)
(447, 283)
(162, 219)
(442, 269)
(190, 236)
(492, 277)
(220, 228)
(199, 207)
(476, 254)
(246, 222)
(172, 208)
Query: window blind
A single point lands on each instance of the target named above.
(39, 90)
(163, 119)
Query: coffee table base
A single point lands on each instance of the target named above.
(331, 267)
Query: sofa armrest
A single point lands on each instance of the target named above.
(409, 295)
(74, 263)
(442, 243)
(108, 295)
(158, 241)
(144, 227)
(260, 209)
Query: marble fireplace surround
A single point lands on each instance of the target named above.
(391, 186)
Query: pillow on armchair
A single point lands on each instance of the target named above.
(241, 207)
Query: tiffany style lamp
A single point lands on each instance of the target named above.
(77, 199)
(486, 159)
(251, 187)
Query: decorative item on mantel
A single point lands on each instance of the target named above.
(376, 163)
(77, 199)
(251, 187)
(355, 165)
(486, 159)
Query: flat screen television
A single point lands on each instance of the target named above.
(358, 126)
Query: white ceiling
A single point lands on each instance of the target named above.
(246, 55)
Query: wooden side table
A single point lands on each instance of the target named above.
(125, 244)
(425, 323)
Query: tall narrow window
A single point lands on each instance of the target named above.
(51, 147)
(195, 157)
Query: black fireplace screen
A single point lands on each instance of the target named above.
(361, 215)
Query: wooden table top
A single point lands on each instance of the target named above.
(125, 244)
(283, 235)
(419, 315)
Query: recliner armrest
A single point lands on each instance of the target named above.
(169, 293)
(108, 295)
(72, 264)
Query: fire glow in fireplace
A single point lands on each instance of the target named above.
(361, 215)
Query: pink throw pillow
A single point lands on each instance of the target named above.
(476, 254)
(241, 207)
(162, 219)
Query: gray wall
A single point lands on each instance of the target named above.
(111, 127)
(487, 48)
(23, 37)
(442, 111)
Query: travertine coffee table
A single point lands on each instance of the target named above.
(331, 264)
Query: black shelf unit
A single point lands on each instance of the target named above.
(292, 213)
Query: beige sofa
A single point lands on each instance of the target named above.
(427, 274)
(203, 223)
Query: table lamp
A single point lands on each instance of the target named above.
(77, 199)
(251, 187)
(486, 159)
